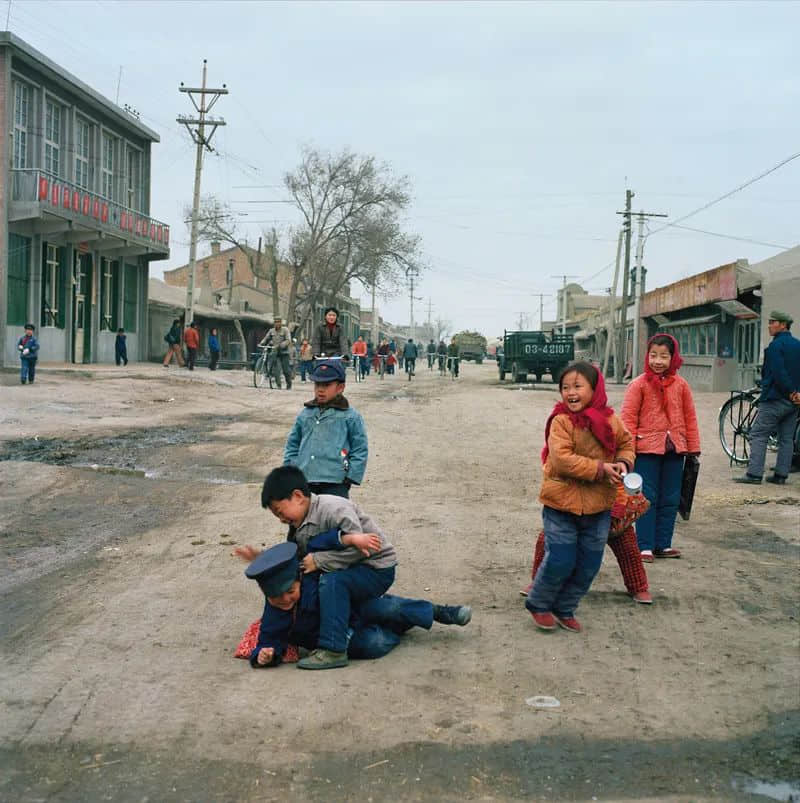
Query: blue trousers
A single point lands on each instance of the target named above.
(574, 547)
(27, 369)
(338, 590)
(380, 624)
(774, 416)
(662, 475)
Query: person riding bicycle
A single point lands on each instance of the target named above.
(778, 405)
(431, 352)
(453, 356)
(360, 351)
(279, 339)
(410, 354)
(441, 351)
(329, 339)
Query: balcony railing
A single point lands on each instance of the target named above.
(69, 200)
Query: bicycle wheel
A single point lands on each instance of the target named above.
(259, 373)
(736, 417)
(357, 368)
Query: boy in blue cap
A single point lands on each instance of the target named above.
(291, 612)
(28, 348)
(328, 441)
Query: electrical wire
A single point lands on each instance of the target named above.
(731, 237)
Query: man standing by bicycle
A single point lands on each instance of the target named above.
(279, 340)
(778, 404)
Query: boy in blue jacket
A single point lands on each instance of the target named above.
(28, 348)
(328, 441)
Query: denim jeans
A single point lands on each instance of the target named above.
(574, 548)
(338, 590)
(662, 474)
(379, 624)
(774, 416)
(27, 369)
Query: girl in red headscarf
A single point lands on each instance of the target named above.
(659, 412)
(587, 451)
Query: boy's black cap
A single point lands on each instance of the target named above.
(275, 569)
(328, 371)
(30, 326)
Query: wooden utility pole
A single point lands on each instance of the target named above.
(541, 308)
(201, 136)
(622, 351)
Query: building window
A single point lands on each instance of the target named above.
(130, 297)
(51, 284)
(108, 167)
(52, 138)
(19, 253)
(109, 294)
(83, 134)
(134, 180)
(21, 104)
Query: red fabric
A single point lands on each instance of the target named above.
(661, 381)
(360, 348)
(191, 338)
(594, 417)
(250, 640)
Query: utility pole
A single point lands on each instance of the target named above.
(619, 365)
(612, 311)
(637, 283)
(374, 327)
(564, 276)
(201, 136)
(541, 308)
(411, 274)
(521, 321)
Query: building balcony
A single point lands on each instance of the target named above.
(43, 204)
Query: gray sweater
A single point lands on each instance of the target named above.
(326, 512)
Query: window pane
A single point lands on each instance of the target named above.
(701, 339)
(712, 339)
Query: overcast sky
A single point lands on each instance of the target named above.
(520, 125)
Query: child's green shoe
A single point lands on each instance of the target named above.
(323, 659)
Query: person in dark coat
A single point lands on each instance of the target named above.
(121, 347)
(28, 348)
(329, 339)
(173, 341)
(779, 402)
(213, 349)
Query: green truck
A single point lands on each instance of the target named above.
(471, 346)
(534, 353)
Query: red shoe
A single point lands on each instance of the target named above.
(525, 591)
(643, 597)
(668, 553)
(647, 556)
(569, 623)
(544, 621)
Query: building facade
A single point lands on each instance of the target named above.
(76, 237)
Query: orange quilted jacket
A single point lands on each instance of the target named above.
(649, 422)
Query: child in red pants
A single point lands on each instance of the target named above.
(622, 540)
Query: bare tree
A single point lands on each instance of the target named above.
(442, 328)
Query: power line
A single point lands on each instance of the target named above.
(730, 237)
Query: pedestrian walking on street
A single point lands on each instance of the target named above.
(778, 404)
(28, 348)
(121, 347)
(191, 338)
(173, 341)
(213, 349)
(587, 452)
(659, 412)
(306, 359)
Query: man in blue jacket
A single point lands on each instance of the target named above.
(328, 441)
(779, 402)
(28, 348)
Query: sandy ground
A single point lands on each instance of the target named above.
(121, 607)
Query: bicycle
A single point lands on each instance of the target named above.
(264, 368)
(452, 367)
(357, 367)
(410, 365)
(431, 359)
(442, 365)
(736, 419)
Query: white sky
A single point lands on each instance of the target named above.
(518, 124)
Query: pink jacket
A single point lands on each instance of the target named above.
(649, 422)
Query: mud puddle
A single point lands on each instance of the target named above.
(138, 453)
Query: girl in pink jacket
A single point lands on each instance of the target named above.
(659, 412)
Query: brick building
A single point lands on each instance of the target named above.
(76, 237)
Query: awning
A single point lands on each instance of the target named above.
(692, 321)
(737, 309)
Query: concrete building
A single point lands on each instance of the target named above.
(76, 237)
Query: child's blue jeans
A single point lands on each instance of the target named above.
(574, 548)
(27, 369)
(662, 475)
(382, 621)
(337, 590)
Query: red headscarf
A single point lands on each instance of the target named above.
(661, 381)
(594, 417)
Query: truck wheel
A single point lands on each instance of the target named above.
(519, 376)
(538, 377)
(502, 373)
(479, 361)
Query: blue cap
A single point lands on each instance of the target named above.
(328, 371)
(275, 569)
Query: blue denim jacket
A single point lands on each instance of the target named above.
(317, 440)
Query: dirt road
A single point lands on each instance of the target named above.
(123, 491)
